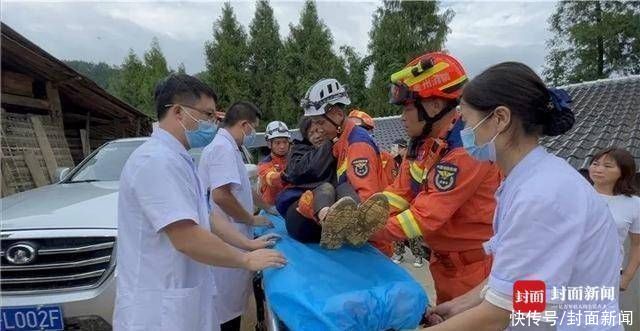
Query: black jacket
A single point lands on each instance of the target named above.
(309, 166)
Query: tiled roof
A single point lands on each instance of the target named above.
(388, 130)
(607, 114)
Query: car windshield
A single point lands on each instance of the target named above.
(107, 163)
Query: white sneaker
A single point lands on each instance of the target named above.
(418, 262)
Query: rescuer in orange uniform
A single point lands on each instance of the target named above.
(271, 168)
(441, 193)
(365, 121)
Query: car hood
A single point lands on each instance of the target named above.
(77, 205)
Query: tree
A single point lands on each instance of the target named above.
(401, 31)
(128, 86)
(307, 58)
(593, 40)
(356, 75)
(265, 49)
(101, 73)
(155, 69)
(227, 58)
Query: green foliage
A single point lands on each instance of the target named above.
(593, 40)
(264, 60)
(101, 73)
(401, 31)
(356, 76)
(155, 69)
(307, 57)
(275, 73)
(227, 59)
(128, 86)
(137, 79)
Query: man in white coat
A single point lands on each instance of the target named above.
(224, 175)
(165, 242)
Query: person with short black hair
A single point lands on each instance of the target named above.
(226, 180)
(165, 240)
(550, 224)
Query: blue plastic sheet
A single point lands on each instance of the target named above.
(346, 289)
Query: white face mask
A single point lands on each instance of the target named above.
(202, 135)
(250, 138)
(486, 152)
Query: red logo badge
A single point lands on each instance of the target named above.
(529, 296)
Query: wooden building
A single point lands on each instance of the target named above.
(52, 116)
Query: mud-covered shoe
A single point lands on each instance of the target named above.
(372, 216)
(341, 215)
(397, 259)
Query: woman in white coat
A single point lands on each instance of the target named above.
(549, 225)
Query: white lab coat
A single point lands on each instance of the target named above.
(159, 288)
(551, 225)
(221, 164)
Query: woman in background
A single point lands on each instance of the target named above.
(612, 172)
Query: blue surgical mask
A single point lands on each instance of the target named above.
(250, 138)
(485, 152)
(202, 135)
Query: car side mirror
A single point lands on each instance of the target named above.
(61, 173)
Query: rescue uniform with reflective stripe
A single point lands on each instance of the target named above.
(447, 197)
(359, 161)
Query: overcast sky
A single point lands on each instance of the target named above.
(482, 33)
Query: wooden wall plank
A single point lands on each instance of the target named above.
(86, 145)
(16, 83)
(34, 168)
(54, 99)
(45, 147)
(22, 101)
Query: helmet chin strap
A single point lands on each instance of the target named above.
(338, 126)
(415, 143)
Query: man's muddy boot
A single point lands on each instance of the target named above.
(341, 215)
(372, 216)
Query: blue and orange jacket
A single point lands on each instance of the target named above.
(359, 162)
(444, 195)
(270, 171)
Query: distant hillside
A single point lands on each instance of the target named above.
(101, 73)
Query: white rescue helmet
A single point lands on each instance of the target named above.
(277, 129)
(325, 92)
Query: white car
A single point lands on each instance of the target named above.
(58, 245)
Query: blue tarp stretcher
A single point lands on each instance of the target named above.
(346, 289)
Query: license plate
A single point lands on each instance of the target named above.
(47, 318)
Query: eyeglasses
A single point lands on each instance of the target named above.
(211, 114)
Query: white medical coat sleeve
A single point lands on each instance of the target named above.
(221, 168)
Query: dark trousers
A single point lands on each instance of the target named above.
(232, 325)
(307, 230)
